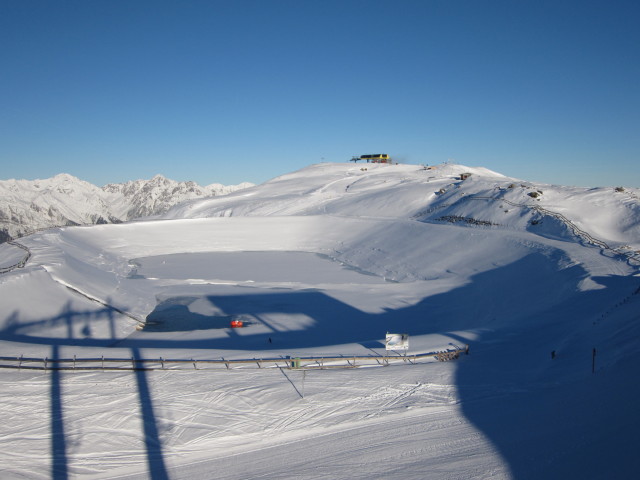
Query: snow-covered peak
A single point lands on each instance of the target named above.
(343, 189)
(430, 193)
(29, 205)
(66, 177)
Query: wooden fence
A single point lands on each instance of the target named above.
(132, 363)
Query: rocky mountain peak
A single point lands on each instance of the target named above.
(27, 206)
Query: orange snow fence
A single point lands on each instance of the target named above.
(236, 324)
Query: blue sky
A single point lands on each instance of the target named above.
(246, 90)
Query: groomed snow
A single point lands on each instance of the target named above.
(324, 262)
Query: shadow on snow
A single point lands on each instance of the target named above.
(543, 423)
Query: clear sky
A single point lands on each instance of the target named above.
(246, 90)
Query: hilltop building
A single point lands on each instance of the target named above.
(373, 158)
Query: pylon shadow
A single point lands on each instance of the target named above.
(488, 305)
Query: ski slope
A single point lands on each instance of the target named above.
(324, 262)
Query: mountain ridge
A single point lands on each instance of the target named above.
(64, 200)
(433, 194)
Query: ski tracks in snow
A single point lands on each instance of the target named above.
(370, 421)
(429, 444)
(266, 425)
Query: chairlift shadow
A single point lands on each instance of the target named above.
(483, 300)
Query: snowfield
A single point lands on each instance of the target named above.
(322, 263)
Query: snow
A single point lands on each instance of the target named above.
(323, 262)
(10, 255)
(27, 206)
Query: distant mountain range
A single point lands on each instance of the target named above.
(30, 205)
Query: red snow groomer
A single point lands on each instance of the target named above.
(236, 324)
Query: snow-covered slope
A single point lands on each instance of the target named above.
(433, 193)
(27, 206)
(143, 198)
(536, 279)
